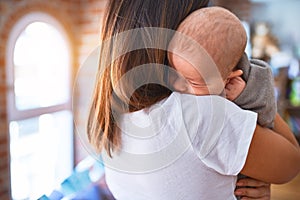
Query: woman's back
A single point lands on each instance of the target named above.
(160, 159)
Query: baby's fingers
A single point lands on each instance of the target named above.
(250, 182)
(254, 193)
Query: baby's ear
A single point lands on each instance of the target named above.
(181, 85)
(235, 73)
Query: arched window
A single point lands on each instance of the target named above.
(39, 105)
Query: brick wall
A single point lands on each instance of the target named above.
(90, 21)
(4, 158)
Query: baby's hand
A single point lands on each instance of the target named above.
(234, 88)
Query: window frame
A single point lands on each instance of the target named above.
(13, 113)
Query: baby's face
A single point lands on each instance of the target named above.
(190, 80)
(206, 46)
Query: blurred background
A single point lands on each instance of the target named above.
(44, 90)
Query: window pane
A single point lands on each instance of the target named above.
(41, 61)
(41, 154)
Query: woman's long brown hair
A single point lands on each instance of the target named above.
(107, 104)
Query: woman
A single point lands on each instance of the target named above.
(133, 101)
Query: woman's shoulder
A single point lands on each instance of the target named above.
(203, 102)
(191, 107)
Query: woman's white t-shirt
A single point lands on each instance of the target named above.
(184, 147)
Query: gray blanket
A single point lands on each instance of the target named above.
(258, 96)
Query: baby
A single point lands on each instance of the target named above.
(207, 52)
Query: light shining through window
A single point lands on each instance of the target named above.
(41, 67)
(40, 122)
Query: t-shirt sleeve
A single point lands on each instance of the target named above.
(230, 150)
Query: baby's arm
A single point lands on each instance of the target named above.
(234, 88)
(258, 95)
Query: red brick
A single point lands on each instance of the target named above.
(3, 166)
(3, 140)
(4, 153)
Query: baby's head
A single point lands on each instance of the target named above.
(218, 37)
